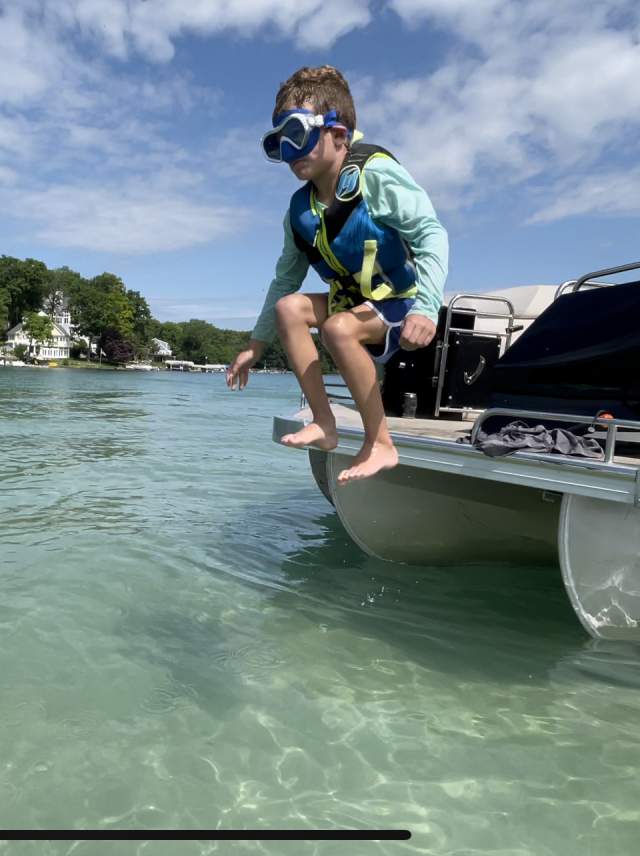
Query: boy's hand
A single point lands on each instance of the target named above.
(417, 332)
(238, 371)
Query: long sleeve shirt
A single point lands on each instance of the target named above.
(393, 199)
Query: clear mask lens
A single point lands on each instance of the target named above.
(271, 145)
(295, 132)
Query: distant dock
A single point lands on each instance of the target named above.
(190, 366)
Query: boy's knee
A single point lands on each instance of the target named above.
(338, 328)
(288, 307)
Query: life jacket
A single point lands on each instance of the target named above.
(359, 258)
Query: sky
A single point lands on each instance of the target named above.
(129, 135)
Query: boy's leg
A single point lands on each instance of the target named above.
(346, 334)
(295, 315)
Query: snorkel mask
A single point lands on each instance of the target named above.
(296, 133)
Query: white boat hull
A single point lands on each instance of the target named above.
(427, 517)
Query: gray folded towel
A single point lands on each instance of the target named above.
(517, 436)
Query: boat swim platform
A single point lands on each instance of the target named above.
(433, 444)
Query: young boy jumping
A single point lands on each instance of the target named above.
(371, 233)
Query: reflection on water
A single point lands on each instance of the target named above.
(188, 639)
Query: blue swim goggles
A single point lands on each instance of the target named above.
(295, 133)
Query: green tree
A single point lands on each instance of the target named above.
(20, 352)
(198, 341)
(274, 357)
(78, 350)
(115, 347)
(4, 312)
(141, 322)
(101, 304)
(22, 285)
(117, 309)
(201, 341)
(39, 329)
(60, 283)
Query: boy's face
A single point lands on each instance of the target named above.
(328, 153)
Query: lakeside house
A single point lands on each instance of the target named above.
(162, 349)
(58, 345)
(63, 336)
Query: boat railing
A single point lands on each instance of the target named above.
(347, 397)
(332, 395)
(586, 281)
(569, 285)
(440, 366)
(610, 425)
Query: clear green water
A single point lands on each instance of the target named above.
(189, 640)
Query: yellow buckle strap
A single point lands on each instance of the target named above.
(410, 292)
(321, 241)
(366, 274)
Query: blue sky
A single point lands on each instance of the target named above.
(129, 134)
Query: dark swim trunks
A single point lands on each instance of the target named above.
(392, 312)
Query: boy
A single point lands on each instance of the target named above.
(371, 233)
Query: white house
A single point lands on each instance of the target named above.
(56, 348)
(161, 349)
(63, 319)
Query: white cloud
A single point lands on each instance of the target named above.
(213, 310)
(608, 193)
(313, 23)
(8, 176)
(124, 219)
(467, 16)
(574, 93)
(133, 190)
(15, 139)
(546, 89)
(150, 27)
(535, 89)
(28, 64)
(110, 125)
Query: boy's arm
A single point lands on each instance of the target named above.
(395, 199)
(291, 269)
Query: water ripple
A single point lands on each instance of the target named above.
(189, 639)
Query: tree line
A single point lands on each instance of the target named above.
(117, 319)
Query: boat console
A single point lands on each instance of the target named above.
(451, 377)
(580, 356)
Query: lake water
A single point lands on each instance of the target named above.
(189, 640)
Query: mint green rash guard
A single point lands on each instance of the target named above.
(394, 199)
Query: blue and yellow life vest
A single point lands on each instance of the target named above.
(359, 258)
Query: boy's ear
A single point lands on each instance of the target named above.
(340, 135)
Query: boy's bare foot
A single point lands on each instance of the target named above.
(312, 434)
(371, 458)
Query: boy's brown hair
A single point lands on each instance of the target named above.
(324, 87)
